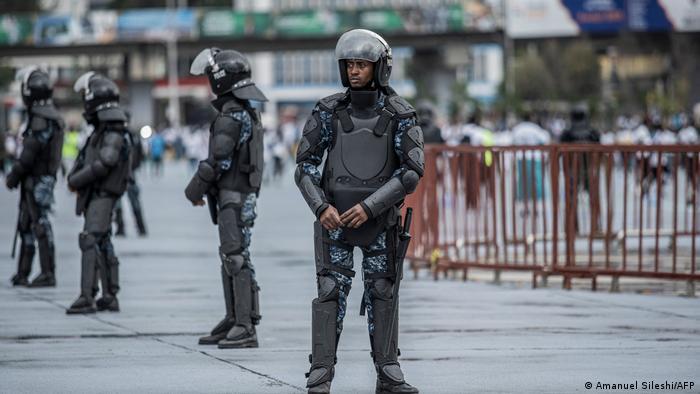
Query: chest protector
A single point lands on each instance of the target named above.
(245, 175)
(361, 160)
(115, 182)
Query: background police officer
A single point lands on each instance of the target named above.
(230, 178)
(35, 171)
(100, 177)
(133, 191)
(374, 159)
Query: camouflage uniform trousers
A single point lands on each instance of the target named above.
(343, 258)
(244, 222)
(34, 211)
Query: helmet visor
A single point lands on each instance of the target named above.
(22, 75)
(83, 82)
(202, 61)
(360, 44)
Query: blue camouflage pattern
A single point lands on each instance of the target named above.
(248, 215)
(343, 258)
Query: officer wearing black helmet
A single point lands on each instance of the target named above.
(100, 177)
(230, 179)
(35, 172)
(374, 158)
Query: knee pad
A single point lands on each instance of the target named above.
(328, 288)
(86, 241)
(382, 289)
(232, 263)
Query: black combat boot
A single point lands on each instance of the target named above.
(24, 265)
(47, 262)
(242, 334)
(219, 331)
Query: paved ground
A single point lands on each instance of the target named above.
(455, 337)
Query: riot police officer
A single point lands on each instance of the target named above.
(133, 191)
(426, 121)
(100, 177)
(374, 150)
(230, 178)
(35, 171)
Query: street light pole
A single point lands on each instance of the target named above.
(173, 111)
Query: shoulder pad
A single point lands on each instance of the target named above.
(47, 111)
(38, 123)
(330, 102)
(400, 106)
(111, 115)
(225, 124)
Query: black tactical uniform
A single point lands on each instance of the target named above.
(35, 171)
(374, 158)
(100, 177)
(132, 191)
(230, 178)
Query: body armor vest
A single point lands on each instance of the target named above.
(361, 160)
(245, 175)
(115, 182)
(50, 135)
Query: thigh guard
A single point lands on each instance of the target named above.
(98, 216)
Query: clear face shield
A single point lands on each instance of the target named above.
(202, 61)
(83, 83)
(22, 76)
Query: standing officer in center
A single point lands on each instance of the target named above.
(100, 177)
(374, 159)
(230, 178)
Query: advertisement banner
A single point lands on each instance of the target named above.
(307, 23)
(539, 18)
(598, 16)
(229, 23)
(684, 15)
(156, 24)
(15, 29)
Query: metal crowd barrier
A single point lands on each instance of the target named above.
(569, 210)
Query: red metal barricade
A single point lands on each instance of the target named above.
(571, 210)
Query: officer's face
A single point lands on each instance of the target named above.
(360, 72)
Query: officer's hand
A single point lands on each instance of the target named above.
(330, 218)
(198, 203)
(354, 217)
(11, 181)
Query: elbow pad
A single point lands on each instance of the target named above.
(412, 146)
(200, 182)
(313, 194)
(82, 178)
(385, 197)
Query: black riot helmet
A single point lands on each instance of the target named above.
(98, 92)
(228, 71)
(361, 44)
(35, 85)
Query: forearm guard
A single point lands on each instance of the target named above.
(390, 193)
(313, 194)
(201, 182)
(87, 175)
